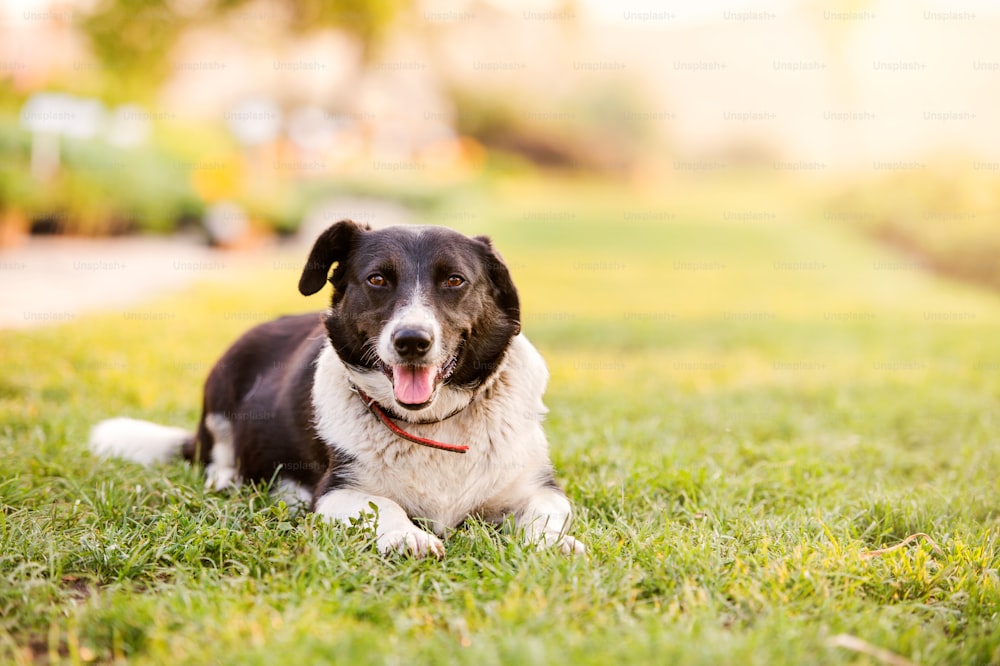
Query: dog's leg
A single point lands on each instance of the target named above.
(294, 494)
(394, 532)
(543, 521)
(221, 472)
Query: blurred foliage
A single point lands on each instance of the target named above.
(281, 210)
(133, 39)
(168, 182)
(98, 189)
(17, 188)
(602, 128)
(945, 217)
(367, 19)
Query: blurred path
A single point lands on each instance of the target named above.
(52, 280)
(49, 280)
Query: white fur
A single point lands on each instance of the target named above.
(503, 471)
(221, 472)
(415, 313)
(139, 441)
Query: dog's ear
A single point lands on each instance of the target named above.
(504, 292)
(332, 247)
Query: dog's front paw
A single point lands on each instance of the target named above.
(566, 544)
(570, 546)
(410, 541)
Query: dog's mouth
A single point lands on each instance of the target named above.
(413, 385)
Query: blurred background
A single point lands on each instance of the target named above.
(245, 124)
(757, 243)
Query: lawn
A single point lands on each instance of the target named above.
(746, 400)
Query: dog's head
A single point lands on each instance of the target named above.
(415, 310)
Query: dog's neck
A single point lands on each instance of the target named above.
(381, 415)
(371, 402)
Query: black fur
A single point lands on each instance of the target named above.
(263, 386)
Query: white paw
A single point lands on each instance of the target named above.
(567, 545)
(410, 541)
(220, 477)
(570, 546)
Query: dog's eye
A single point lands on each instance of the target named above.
(377, 280)
(455, 281)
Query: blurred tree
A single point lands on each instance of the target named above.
(132, 39)
(367, 19)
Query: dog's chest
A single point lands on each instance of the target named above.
(444, 487)
(507, 455)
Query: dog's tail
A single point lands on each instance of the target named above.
(139, 441)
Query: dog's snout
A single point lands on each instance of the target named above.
(412, 343)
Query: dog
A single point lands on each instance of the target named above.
(415, 396)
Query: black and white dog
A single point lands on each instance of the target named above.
(415, 393)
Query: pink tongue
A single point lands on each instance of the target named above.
(413, 385)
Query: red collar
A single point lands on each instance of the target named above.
(377, 410)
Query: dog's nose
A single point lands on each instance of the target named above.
(411, 343)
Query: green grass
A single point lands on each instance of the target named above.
(733, 431)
